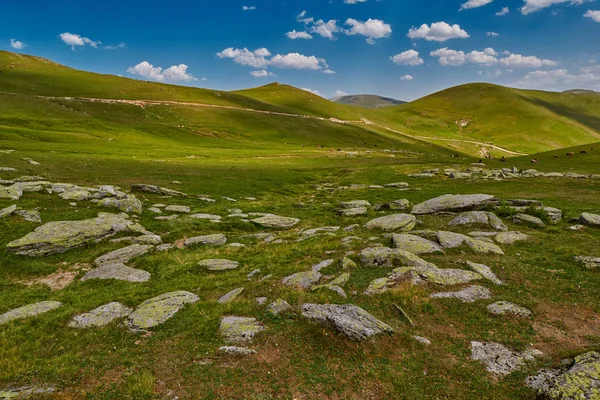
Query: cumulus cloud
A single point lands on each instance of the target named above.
(504, 11)
(298, 35)
(258, 59)
(520, 61)
(175, 73)
(248, 8)
(536, 5)
(448, 57)
(296, 61)
(558, 79)
(119, 46)
(354, 1)
(492, 34)
(438, 32)
(475, 4)
(312, 91)
(255, 59)
(329, 72)
(372, 29)
(406, 78)
(261, 73)
(75, 40)
(409, 57)
(339, 93)
(593, 14)
(16, 44)
(325, 29)
(485, 57)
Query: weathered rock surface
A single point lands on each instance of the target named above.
(159, 309)
(100, 316)
(118, 271)
(506, 307)
(231, 296)
(441, 276)
(25, 392)
(484, 271)
(353, 212)
(217, 239)
(590, 219)
(316, 231)
(240, 329)
(237, 351)
(415, 244)
(396, 205)
(218, 264)
(178, 209)
(500, 360)
(479, 218)
(275, 221)
(341, 280)
(449, 202)
(157, 190)
(12, 193)
(61, 236)
(389, 258)
(211, 217)
(355, 204)
(511, 237)
(30, 310)
(127, 204)
(348, 319)
(123, 255)
(525, 219)
(392, 223)
(279, 306)
(302, 280)
(8, 211)
(467, 295)
(588, 261)
(483, 247)
(323, 264)
(451, 240)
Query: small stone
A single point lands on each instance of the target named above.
(155, 210)
(100, 316)
(392, 223)
(353, 212)
(279, 306)
(231, 296)
(127, 204)
(528, 220)
(206, 216)
(178, 209)
(484, 271)
(117, 271)
(483, 247)
(8, 211)
(253, 273)
(159, 309)
(209, 240)
(511, 237)
(352, 227)
(415, 244)
(323, 264)
(239, 329)
(25, 392)
(479, 218)
(28, 311)
(468, 295)
(422, 340)
(590, 219)
(316, 231)
(218, 264)
(302, 280)
(275, 221)
(401, 185)
(237, 351)
(451, 240)
(261, 300)
(157, 190)
(341, 280)
(123, 255)
(389, 258)
(12, 193)
(355, 204)
(167, 218)
(149, 239)
(500, 360)
(588, 261)
(506, 307)
(346, 263)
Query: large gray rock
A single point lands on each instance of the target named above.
(218, 264)
(240, 329)
(588, 261)
(524, 219)
(30, 310)
(157, 190)
(217, 239)
(590, 219)
(580, 380)
(389, 258)
(100, 316)
(439, 276)
(479, 218)
(275, 221)
(8, 211)
(128, 204)
(451, 240)
(123, 255)
(415, 244)
(61, 236)
(449, 202)
(353, 212)
(348, 319)
(484, 271)
(392, 223)
(159, 309)
(117, 271)
(11, 193)
(500, 360)
(511, 237)
(231, 296)
(467, 295)
(279, 306)
(302, 280)
(506, 307)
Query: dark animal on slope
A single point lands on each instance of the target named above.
(556, 156)
(583, 152)
(569, 154)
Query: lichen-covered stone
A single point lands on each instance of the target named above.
(415, 244)
(218, 264)
(530, 220)
(61, 236)
(211, 217)
(449, 202)
(479, 218)
(341, 280)
(100, 316)
(484, 271)
(178, 209)
(392, 223)
(396, 205)
(389, 258)
(159, 309)
(123, 255)
(128, 204)
(157, 190)
(353, 212)
(148, 239)
(451, 240)
(237, 351)
(554, 214)
(30, 310)
(588, 261)
(446, 276)
(500, 360)
(483, 247)
(348, 319)
(279, 306)
(506, 307)
(217, 239)
(316, 231)
(346, 263)
(231, 296)
(8, 211)
(323, 264)
(590, 219)
(334, 288)
(118, 271)
(75, 194)
(302, 280)
(355, 204)
(29, 215)
(377, 286)
(25, 392)
(467, 295)
(11, 193)
(240, 329)
(511, 237)
(275, 221)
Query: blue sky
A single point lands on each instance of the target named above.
(350, 46)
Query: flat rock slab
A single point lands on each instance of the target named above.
(499, 359)
(451, 202)
(355, 204)
(240, 329)
(236, 351)
(580, 380)
(590, 219)
(231, 296)
(389, 258)
(275, 221)
(118, 271)
(123, 255)
(479, 218)
(511, 237)
(316, 231)
(178, 209)
(393, 223)
(588, 261)
(279, 306)
(524, 219)
(159, 309)
(61, 236)
(127, 204)
(323, 264)
(211, 217)
(467, 295)
(483, 247)
(451, 240)
(484, 271)
(12, 193)
(8, 211)
(506, 307)
(100, 316)
(157, 190)
(348, 319)
(30, 310)
(353, 212)
(218, 264)
(446, 276)
(415, 244)
(302, 280)
(209, 240)
(25, 392)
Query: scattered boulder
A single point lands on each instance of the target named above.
(148, 239)
(323, 264)
(28, 311)
(348, 319)
(511, 237)
(439, 276)
(484, 271)
(302, 280)
(178, 209)
(25, 392)
(159, 309)
(422, 340)
(237, 351)
(355, 204)
(589, 261)
(316, 231)
(218, 264)
(482, 246)
(389, 258)
(341, 280)
(157, 190)
(118, 271)
(29, 215)
(346, 263)
(449, 202)
(524, 219)
(10, 192)
(275, 221)
(506, 307)
(479, 218)
(217, 239)
(500, 360)
(467, 295)
(127, 204)
(100, 316)
(279, 306)
(590, 219)
(353, 212)
(8, 211)
(123, 255)
(415, 244)
(231, 296)
(210, 217)
(240, 329)
(554, 214)
(451, 240)
(391, 223)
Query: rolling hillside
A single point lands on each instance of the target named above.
(367, 101)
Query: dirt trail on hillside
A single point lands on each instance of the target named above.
(144, 103)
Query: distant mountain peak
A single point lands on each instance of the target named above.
(367, 101)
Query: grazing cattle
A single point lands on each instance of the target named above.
(535, 161)
(569, 154)
(480, 161)
(583, 152)
(556, 156)
(503, 159)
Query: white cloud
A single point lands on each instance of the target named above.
(16, 44)
(504, 11)
(325, 29)
(439, 32)
(406, 78)
(119, 46)
(255, 59)
(175, 73)
(486, 57)
(449, 57)
(558, 79)
(520, 61)
(340, 93)
(261, 73)
(312, 91)
(298, 35)
(354, 1)
(248, 8)
(593, 14)
(409, 57)
(329, 71)
(536, 5)
(297, 61)
(75, 40)
(492, 34)
(475, 4)
(372, 29)
(258, 59)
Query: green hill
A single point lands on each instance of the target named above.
(367, 101)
